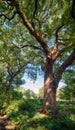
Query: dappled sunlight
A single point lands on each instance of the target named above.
(37, 43)
(25, 116)
(48, 81)
(47, 103)
(49, 90)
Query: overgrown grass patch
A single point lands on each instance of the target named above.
(23, 113)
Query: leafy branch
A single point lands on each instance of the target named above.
(65, 64)
(44, 46)
(65, 49)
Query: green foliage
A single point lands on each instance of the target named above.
(67, 93)
(26, 105)
(12, 97)
(18, 54)
(64, 93)
(41, 93)
(23, 114)
(29, 94)
(10, 65)
(38, 121)
(49, 16)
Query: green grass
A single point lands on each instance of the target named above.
(23, 113)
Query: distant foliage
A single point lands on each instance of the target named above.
(67, 93)
(41, 93)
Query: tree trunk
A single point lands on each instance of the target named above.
(49, 90)
(49, 96)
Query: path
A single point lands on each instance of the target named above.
(5, 124)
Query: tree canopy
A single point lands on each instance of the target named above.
(43, 31)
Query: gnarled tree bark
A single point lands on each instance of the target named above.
(49, 89)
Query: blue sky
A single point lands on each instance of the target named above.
(37, 85)
(33, 86)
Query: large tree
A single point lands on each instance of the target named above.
(51, 32)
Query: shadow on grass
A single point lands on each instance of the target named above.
(49, 123)
(36, 121)
(26, 117)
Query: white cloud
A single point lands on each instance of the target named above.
(33, 86)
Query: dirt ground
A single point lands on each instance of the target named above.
(5, 124)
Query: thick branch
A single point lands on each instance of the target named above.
(65, 49)
(46, 49)
(66, 64)
(57, 54)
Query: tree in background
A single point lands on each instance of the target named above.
(11, 66)
(68, 91)
(41, 93)
(50, 31)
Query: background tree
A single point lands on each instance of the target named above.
(10, 66)
(41, 93)
(68, 91)
(50, 28)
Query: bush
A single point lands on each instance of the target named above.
(27, 105)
